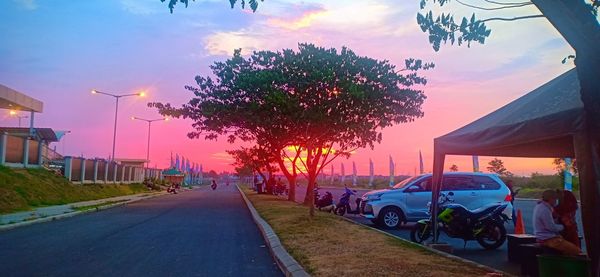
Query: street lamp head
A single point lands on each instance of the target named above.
(94, 91)
(142, 94)
(12, 112)
(166, 119)
(133, 118)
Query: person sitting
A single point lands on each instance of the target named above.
(565, 211)
(546, 230)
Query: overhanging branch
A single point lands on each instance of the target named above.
(495, 8)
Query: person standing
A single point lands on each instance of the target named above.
(566, 211)
(513, 194)
(546, 230)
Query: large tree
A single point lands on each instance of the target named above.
(325, 103)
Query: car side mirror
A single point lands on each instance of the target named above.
(450, 193)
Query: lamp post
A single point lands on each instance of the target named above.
(15, 114)
(117, 97)
(149, 125)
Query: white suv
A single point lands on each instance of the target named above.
(408, 200)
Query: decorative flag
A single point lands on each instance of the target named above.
(475, 163)
(354, 180)
(343, 176)
(332, 174)
(371, 173)
(421, 167)
(568, 175)
(172, 164)
(391, 171)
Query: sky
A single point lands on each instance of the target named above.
(58, 51)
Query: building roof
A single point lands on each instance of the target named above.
(46, 134)
(172, 172)
(13, 100)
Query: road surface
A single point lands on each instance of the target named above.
(472, 251)
(197, 233)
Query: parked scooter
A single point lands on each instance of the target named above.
(486, 224)
(325, 202)
(343, 206)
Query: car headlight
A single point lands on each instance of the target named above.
(373, 197)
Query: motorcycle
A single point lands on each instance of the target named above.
(485, 225)
(325, 202)
(343, 205)
(172, 189)
(280, 189)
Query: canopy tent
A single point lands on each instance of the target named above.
(543, 123)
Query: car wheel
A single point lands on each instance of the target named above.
(390, 218)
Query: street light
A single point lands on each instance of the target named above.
(149, 124)
(117, 97)
(15, 114)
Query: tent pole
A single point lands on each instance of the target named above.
(436, 185)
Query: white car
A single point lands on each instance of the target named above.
(408, 200)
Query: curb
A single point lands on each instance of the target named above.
(71, 214)
(288, 265)
(441, 253)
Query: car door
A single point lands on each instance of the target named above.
(464, 190)
(418, 195)
(489, 190)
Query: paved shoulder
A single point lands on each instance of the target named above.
(199, 233)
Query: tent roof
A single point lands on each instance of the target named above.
(538, 124)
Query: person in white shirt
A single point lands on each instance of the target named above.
(546, 230)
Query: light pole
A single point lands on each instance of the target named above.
(15, 114)
(149, 124)
(117, 97)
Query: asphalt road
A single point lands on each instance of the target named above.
(472, 250)
(197, 233)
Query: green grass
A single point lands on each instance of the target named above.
(327, 245)
(24, 189)
(532, 187)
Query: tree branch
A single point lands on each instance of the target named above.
(496, 8)
(512, 19)
(507, 4)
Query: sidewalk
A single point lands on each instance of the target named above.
(50, 211)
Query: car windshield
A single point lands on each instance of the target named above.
(405, 182)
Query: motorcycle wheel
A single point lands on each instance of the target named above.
(341, 210)
(492, 236)
(420, 232)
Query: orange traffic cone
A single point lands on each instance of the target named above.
(520, 226)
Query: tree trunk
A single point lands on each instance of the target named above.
(587, 147)
(575, 22)
(291, 177)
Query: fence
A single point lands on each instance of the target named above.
(81, 170)
(18, 151)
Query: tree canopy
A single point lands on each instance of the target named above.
(252, 4)
(324, 101)
(443, 28)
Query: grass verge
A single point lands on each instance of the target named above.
(327, 245)
(91, 207)
(24, 189)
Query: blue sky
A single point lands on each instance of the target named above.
(57, 51)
